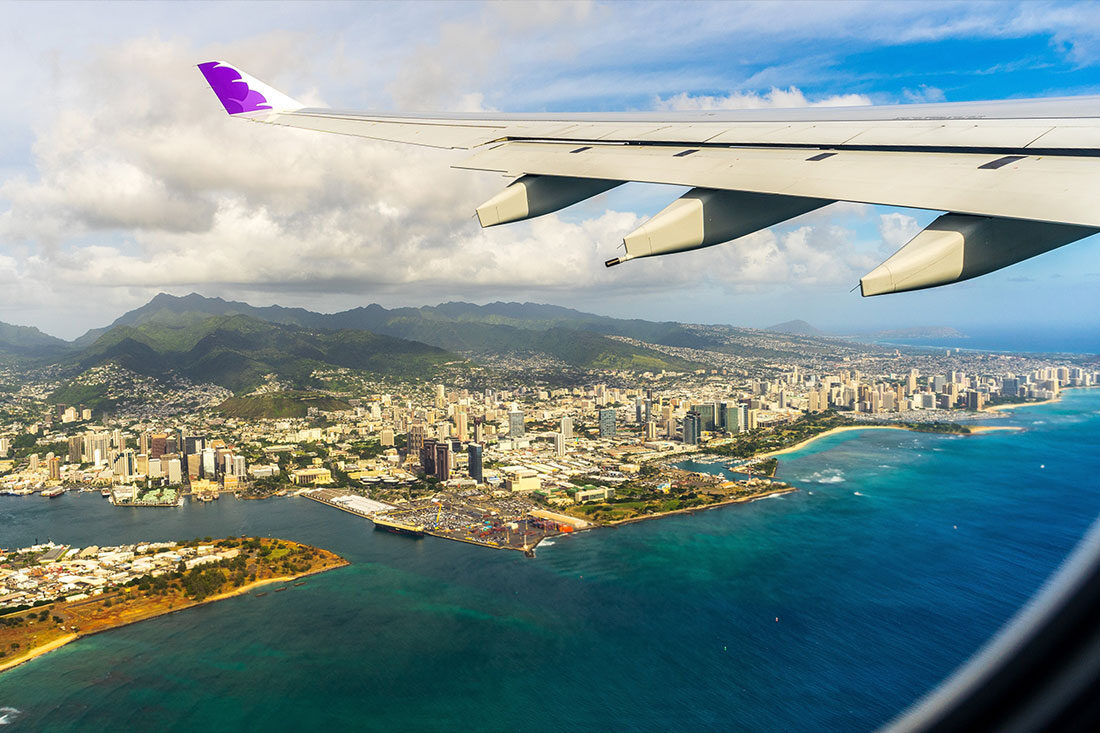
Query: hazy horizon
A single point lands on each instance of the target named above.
(1086, 341)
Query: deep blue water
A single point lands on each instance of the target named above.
(662, 625)
(1078, 339)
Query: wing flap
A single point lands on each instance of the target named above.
(1042, 188)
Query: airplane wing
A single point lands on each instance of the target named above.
(1016, 178)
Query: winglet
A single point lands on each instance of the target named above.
(242, 94)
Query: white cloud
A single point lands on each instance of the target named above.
(923, 93)
(151, 187)
(131, 189)
(779, 98)
(896, 229)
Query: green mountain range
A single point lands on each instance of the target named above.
(235, 344)
(577, 339)
(236, 351)
(29, 342)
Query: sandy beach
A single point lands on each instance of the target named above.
(834, 431)
(692, 509)
(974, 430)
(1005, 408)
(38, 651)
(62, 641)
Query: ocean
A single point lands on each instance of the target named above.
(1052, 339)
(832, 608)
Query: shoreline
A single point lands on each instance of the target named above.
(693, 509)
(50, 646)
(1017, 405)
(38, 651)
(974, 430)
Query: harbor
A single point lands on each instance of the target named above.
(505, 523)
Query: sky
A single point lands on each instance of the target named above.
(121, 176)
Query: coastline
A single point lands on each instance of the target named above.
(833, 431)
(1017, 405)
(974, 430)
(50, 646)
(693, 509)
(38, 651)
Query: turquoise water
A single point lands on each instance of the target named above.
(900, 556)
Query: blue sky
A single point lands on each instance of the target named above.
(120, 178)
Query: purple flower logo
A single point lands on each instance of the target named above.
(233, 92)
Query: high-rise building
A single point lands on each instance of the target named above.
(427, 457)
(76, 447)
(474, 455)
(154, 468)
(638, 416)
(461, 425)
(607, 422)
(208, 463)
(5, 446)
(143, 442)
(443, 461)
(440, 396)
(975, 400)
(193, 444)
(515, 424)
(559, 444)
(124, 465)
(706, 414)
(750, 419)
(567, 428)
(651, 430)
(418, 433)
(727, 417)
(174, 472)
(386, 439)
(693, 427)
(54, 466)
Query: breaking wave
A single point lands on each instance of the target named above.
(826, 477)
(8, 715)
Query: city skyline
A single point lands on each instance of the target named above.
(110, 193)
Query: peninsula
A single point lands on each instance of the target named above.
(53, 594)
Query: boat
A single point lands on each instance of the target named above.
(302, 582)
(53, 493)
(398, 528)
(261, 595)
(280, 590)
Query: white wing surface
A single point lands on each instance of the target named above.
(1016, 178)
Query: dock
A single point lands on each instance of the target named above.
(389, 525)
